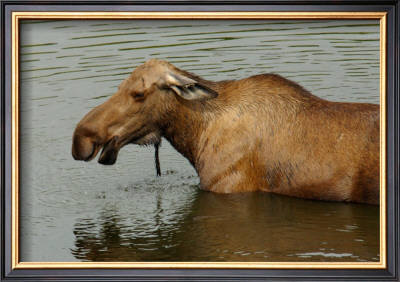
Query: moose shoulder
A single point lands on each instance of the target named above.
(259, 133)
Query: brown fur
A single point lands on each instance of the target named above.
(260, 133)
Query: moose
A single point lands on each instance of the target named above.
(263, 132)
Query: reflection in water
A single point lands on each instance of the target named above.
(252, 226)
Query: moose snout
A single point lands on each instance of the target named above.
(82, 148)
(84, 145)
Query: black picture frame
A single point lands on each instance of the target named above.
(391, 273)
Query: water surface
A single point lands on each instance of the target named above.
(76, 211)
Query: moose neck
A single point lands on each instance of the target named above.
(188, 121)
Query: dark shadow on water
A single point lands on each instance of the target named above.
(239, 227)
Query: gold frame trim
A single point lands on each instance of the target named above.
(18, 16)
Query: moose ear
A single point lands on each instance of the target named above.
(188, 88)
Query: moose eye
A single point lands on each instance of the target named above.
(138, 95)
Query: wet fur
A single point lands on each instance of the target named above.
(268, 133)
